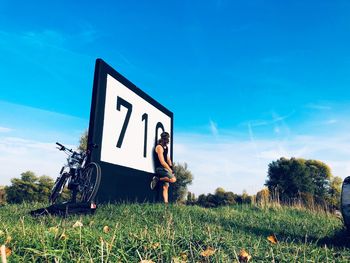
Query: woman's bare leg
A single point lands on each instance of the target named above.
(167, 179)
(165, 193)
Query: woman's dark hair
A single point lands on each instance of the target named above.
(164, 138)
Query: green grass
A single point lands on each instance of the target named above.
(174, 233)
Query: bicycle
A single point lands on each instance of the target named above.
(83, 179)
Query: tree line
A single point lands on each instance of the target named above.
(288, 180)
(28, 188)
(32, 188)
(219, 198)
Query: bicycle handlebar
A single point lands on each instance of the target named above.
(63, 148)
(60, 145)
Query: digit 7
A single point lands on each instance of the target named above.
(122, 102)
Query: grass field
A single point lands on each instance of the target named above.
(174, 233)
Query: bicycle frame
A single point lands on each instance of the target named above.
(77, 174)
(73, 167)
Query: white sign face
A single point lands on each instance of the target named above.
(129, 128)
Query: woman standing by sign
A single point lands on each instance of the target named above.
(163, 165)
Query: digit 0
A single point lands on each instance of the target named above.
(159, 126)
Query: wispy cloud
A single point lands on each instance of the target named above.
(330, 122)
(45, 38)
(214, 128)
(45, 52)
(18, 155)
(49, 38)
(252, 140)
(275, 118)
(46, 125)
(30, 142)
(45, 41)
(318, 106)
(238, 165)
(5, 129)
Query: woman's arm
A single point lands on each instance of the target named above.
(169, 161)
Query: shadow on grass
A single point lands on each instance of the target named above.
(339, 239)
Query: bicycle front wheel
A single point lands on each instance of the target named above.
(91, 177)
(58, 187)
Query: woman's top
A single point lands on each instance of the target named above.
(156, 159)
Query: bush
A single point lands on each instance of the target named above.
(222, 198)
(29, 188)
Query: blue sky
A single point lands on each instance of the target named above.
(248, 81)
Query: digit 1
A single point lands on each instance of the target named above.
(145, 118)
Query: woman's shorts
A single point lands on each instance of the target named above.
(162, 172)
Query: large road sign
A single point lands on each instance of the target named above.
(125, 123)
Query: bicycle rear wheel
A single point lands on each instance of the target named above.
(91, 177)
(58, 187)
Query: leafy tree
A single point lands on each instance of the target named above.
(335, 192)
(191, 198)
(293, 178)
(224, 198)
(29, 188)
(219, 191)
(320, 174)
(263, 196)
(230, 198)
(45, 184)
(220, 198)
(211, 201)
(246, 198)
(184, 178)
(83, 142)
(202, 200)
(289, 177)
(2, 195)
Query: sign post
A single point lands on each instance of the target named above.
(125, 124)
